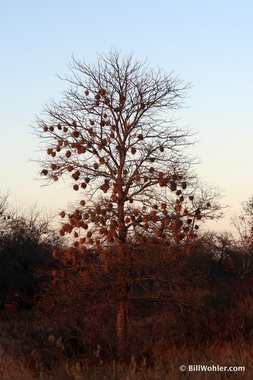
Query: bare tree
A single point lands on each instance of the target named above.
(112, 136)
(244, 223)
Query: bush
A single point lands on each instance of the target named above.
(26, 244)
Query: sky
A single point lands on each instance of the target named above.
(207, 43)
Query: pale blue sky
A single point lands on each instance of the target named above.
(208, 43)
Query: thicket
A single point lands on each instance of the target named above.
(175, 300)
(26, 244)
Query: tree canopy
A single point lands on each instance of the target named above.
(114, 136)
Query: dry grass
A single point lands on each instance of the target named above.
(27, 353)
(165, 368)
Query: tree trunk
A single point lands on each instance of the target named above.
(121, 219)
(122, 327)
